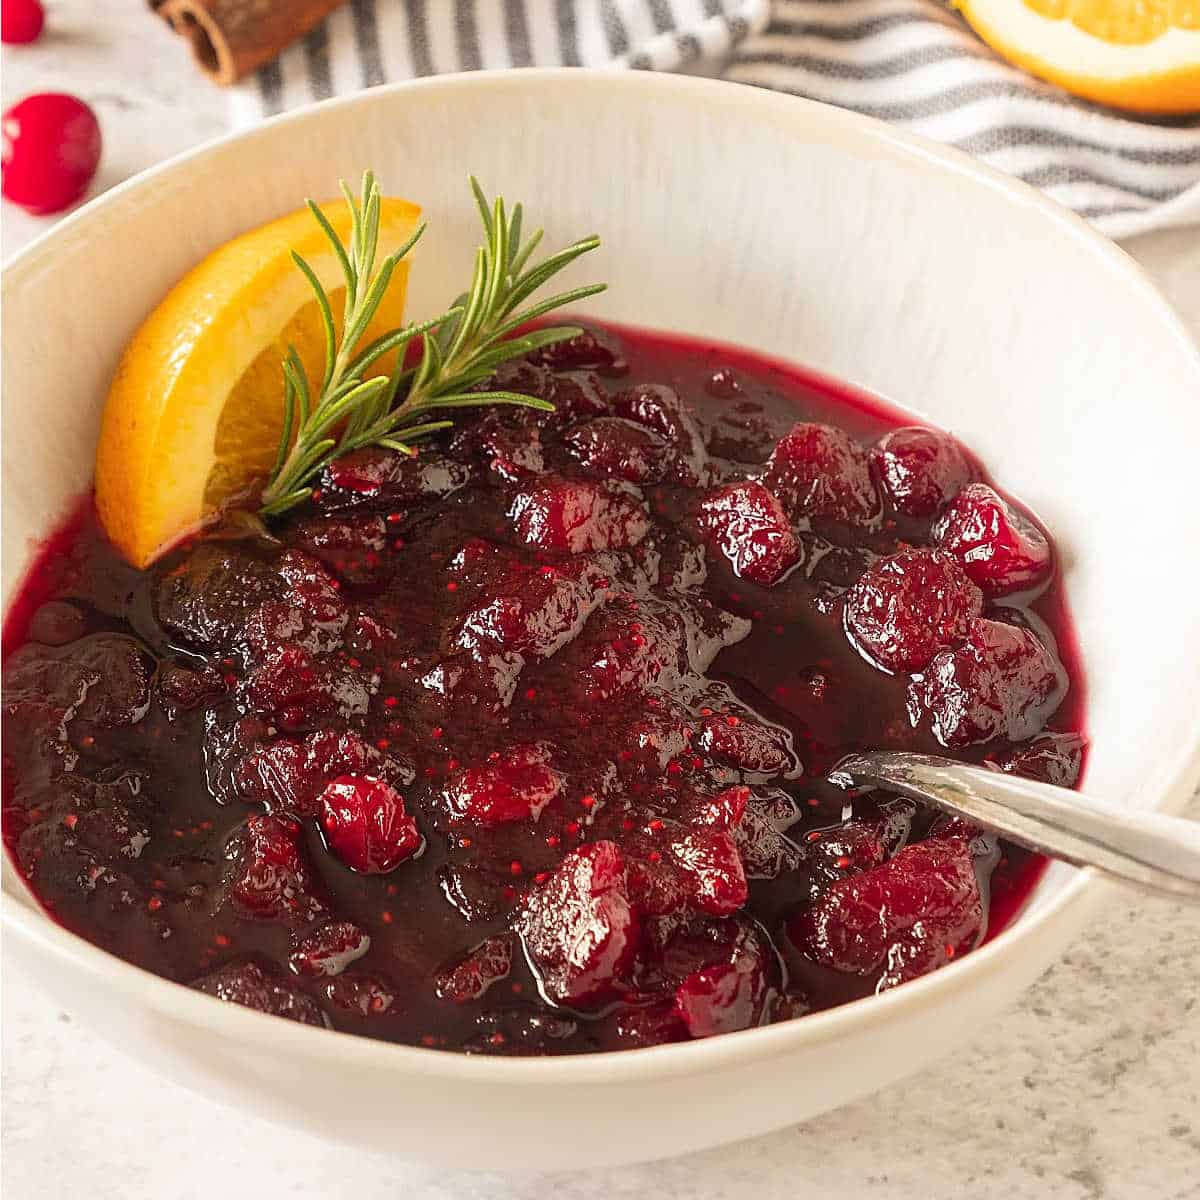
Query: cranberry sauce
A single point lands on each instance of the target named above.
(518, 746)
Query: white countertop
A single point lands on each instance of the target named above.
(1089, 1089)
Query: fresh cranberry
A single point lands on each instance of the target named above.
(579, 929)
(907, 607)
(367, 825)
(21, 21)
(271, 878)
(614, 448)
(746, 523)
(921, 907)
(329, 949)
(1002, 682)
(256, 986)
(818, 471)
(51, 151)
(748, 745)
(999, 548)
(919, 469)
(486, 964)
(577, 516)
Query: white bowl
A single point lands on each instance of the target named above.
(786, 226)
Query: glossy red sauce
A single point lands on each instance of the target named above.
(519, 747)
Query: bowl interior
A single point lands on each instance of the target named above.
(783, 226)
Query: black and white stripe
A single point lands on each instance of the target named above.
(911, 62)
(372, 41)
(915, 63)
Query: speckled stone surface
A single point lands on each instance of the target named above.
(1088, 1089)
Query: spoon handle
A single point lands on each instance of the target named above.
(1149, 849)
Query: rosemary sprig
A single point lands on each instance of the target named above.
(459, 349)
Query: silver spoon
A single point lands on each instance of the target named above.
(1153, 851)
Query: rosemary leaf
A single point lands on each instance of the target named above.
(460, 349)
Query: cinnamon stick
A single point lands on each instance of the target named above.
(231, 38)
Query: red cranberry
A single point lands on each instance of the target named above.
(21, 21)
(56, 624)
(656, 884)
(654, 1025)
(182, 688)
(748, 745)
(379, 478)
(577, 516)
(719, 999)
(272, 881)
(907, 607)
(614, 448)
(1053, 758)
(712, 870)
(818, 471)
(206, 598)
(534, 611)
(723, 811)
(352, 546)
(289, 775)
(593, 349)
(51, 151)
(487, 963)
(579, 928)
(919, 469)
(765, 850)
(859, 844)
(999, 548)
(1001, 683)
(290, 678)
(367, 825)
(626, 651)
(921, 907)
(256, 987)
(747, 524)
(329, 949)
(361, 994)
(516, 787)
(660, 409)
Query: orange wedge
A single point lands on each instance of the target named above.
(1142, 55)
(195, 411)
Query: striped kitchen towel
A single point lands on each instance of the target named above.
(911, 62)
(917, 64)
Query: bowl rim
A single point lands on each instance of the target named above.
(23, 917)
